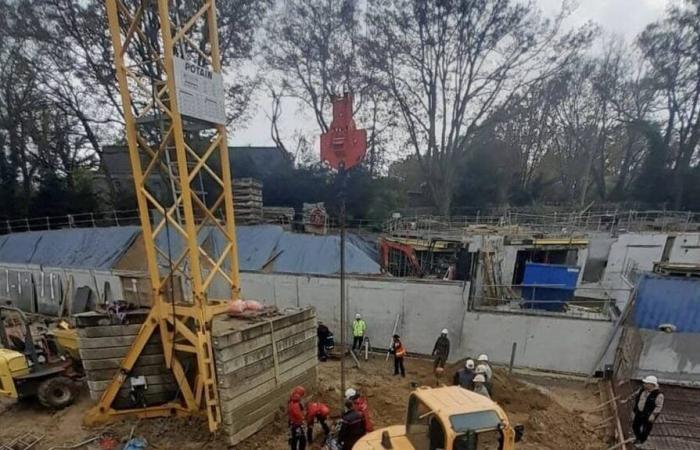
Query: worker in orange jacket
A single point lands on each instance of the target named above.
(399, 351)
(295, 413)
(316, 412)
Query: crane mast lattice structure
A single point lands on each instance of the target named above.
(152, 41)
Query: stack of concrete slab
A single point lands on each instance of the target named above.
(258, 362)
(104, 341)
(247, 200)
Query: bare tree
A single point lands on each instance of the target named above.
(448, 63)
(672, 49)
(310, 47)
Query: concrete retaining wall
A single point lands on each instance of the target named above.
(674, 357)
(424, 308)
(549, 343)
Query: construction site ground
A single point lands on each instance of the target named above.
(553, 410)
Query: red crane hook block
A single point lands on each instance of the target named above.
(343, 145)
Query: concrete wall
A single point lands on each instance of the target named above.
(424, 308)
(686, 249)
(549, 343)
(630, 254)
(37, 281)
(673, 357)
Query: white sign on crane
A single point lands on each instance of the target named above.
(200, 92)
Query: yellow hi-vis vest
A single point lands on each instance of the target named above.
(358, 327)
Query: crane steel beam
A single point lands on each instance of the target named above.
(148, 42)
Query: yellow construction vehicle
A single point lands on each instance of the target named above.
(448, 418)
(26, 371)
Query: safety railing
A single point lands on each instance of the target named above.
(554, 222)
(592, 303)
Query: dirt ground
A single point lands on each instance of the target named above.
(552, 410)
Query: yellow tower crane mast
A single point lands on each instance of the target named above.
(168, 67)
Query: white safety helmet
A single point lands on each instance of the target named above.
(350, 393)
(651, 379)
(469, 364)
(444, 331)
(480, 369)
(358, 316)
(479, 379)
(483, 358)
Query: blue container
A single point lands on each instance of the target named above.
(668, 300)
(548, 286)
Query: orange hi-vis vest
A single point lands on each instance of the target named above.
(399, 350)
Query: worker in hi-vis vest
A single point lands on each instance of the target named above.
(359, 327)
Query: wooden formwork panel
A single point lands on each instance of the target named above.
(258, 364)
(102, 346)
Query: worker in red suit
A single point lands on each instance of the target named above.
(295, 412)
(361, 406)
(316, 412)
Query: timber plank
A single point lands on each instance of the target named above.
(221, 328)
(109, 330)
(117, 352)
(234, 398)
(233, 380)
(108, 374)
(112, 341)
(113, 363)
(304, 348)
(270, 401)
(224, 348)
(152, 380)
(232, 359)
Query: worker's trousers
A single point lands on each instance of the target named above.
(322, 356)
(398, 366)
(641, 427)
(297, 437)
(357, 342)
(310, 430)
(439, 361)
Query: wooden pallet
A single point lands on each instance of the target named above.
(677, 269)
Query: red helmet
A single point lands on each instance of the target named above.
(298, 393)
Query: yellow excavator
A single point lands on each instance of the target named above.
(29, 369)
(447, 418)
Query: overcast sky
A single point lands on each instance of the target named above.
(625, 18)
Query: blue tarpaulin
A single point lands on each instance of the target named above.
(88, 248)
(260, 247)
(288, 252)
(668, 300)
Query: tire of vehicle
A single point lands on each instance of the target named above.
(56, 393)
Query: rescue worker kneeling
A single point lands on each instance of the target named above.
(316, 412)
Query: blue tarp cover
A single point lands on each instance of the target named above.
(288, 252)
(258, 246)
(668, 300)
(88, 248)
